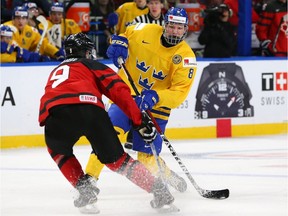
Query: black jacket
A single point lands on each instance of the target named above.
(219, 39)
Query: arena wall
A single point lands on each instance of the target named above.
(22, 85)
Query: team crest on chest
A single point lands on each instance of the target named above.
(145, 83)
(142, 66)
(28, 34)
(177, 59)
(158, 75)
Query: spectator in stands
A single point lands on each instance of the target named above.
(28, 37)
(154, 15)
(218, 35)
(271, 28)
(104, 10)
(128, 11)
(58, 28)
(118, 3)
(11, 52)
(211, 3)
(7, 7)
(234, 6)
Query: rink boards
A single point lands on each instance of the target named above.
(22, 85)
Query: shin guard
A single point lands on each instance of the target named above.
(134, 171)
(69, 166)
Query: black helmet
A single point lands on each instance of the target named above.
(80, 46)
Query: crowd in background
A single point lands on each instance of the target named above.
(26, 37)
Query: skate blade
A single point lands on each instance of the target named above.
(89, 209)
(168, 209)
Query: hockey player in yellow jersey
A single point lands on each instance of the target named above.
(59, 28)
(28, 37)
(163, 67)
(153, 16)
(127, 12)
(11, 52)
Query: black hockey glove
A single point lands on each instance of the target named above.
(147, 129)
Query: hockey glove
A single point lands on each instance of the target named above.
(45, 58)
(4, 46)
(34, 57)
(147, 100)
(23, 55)
(118, 48)
(60, 55)
(264, 46)
(112, 19)
(147, 129)
(7, 48)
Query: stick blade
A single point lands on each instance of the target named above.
(216, 194)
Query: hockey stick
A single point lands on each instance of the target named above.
(283, 19)
(44, 22)
(171, 207)
(212, 194)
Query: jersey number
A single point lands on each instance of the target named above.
(60, 75)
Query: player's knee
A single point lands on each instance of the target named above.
(60, 159)
(59, 148)
(119, 165)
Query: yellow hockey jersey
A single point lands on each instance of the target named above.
(29, 39)
(126, 13)
(56, 32)
(169, 71)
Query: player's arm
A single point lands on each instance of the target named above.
(73, 26)
(116, 90)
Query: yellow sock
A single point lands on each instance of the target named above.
(94, 166)
(150, 163)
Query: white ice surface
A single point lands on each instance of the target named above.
(255, 170)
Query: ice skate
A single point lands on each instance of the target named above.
(162, 196)
(88, 191)
(177, 182)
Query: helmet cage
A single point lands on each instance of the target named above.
(172, 17)
(172, 39)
